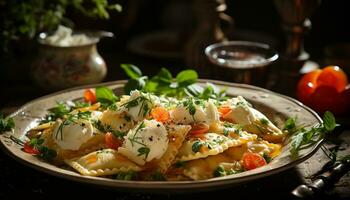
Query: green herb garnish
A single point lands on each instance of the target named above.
(143, 151)
(6, 124)
(267, 157)
(107, 128)
(221, 171)
(105, 96)
(127, 176)
(196, 146)
(264, 121)
(303, 137)
(44, 152)
(157, 176)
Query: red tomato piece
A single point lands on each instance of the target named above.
(29, 149)
(90, 96)
(327, 98)
(199, 128)
(160, 114)
(252, 161)
(111, 141)
(307, 85)
(333, 76)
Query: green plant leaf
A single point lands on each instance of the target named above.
(6, 124)
(329, 121)
(105, 95)
(135, 84)
(163, 76)
(132, 71)
(186, 77)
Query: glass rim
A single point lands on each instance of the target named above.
(239, 63)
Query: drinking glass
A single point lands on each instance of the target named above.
(242, 61)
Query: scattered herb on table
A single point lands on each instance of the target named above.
(302, 137)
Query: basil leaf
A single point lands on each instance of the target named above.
(135, 84)
(329, 121)
(105, 95)
(132, 71)
(163, 76)
(186, 77)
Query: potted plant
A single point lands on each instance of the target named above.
(23, 20)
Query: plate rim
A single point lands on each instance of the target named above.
(166, 185)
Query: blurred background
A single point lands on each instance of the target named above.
(156, 33)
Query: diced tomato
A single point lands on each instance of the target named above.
(333, 76)
(199, 128)
(29, 149)
(111, 141)
(90, 96)
(252, 160)
(224, 110)
(160, 114)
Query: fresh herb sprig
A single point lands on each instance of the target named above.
(6, 124)
(105, 96)
(303, 137)
(163, 83)
(107, 128)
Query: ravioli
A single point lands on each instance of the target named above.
(102, 162)
(177, 139)
(205, 145)
(252, 120)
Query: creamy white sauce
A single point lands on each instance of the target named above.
(246, 115)
(64, 37)
(72, 135)
(207, 115)
(152, 139)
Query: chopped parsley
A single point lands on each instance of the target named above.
(143, 151)
(196, 146)
(221, 171)
(267, 157)
(107, 128)
(238, 129)
(145, 107)
(264, 121)
(127, 176)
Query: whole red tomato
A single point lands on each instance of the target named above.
(325, 89)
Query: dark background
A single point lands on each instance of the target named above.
(254, 20)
